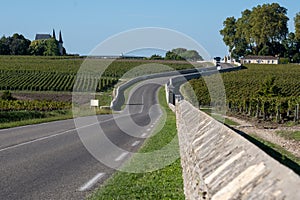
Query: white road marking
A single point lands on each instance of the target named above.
(91, 182)
(122, 156)
(149, 129)
(144, 135)
(32, 125)
(55, 135)
(36, 140)
(135, 143)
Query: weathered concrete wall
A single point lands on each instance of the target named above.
(219, 164)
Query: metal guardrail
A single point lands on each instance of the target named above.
(174, 83)
(119, 98)
(184, 76)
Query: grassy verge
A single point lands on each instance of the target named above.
(48, 117)
(289, 135)
(220, 118)
(277, 152)
(166, 183)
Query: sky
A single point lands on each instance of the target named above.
(86, 23)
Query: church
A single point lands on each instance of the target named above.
(62, 50)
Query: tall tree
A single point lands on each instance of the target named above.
(37, 47)
(297, 26)
(51, 47)
(229, 33)
(259, 31)
(268, 24)
(4, 46)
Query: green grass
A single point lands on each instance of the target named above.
(219, 118)
(166, 183)
(49, 117)
(277, 152)
(290, 135)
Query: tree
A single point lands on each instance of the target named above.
(191, 55)
(297, 26)
(291, 45)
(183, 54)
(229, 33)
(172, 56)
(15, 45)
(47, 47)
(37, 47)
(259, 31)
(155, 57)
(51, 47)
(268, 24)
(179, 51)
(4, 46)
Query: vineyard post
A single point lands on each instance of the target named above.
(297, 112)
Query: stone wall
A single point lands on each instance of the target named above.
(220, 164)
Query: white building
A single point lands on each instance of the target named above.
(260, 60)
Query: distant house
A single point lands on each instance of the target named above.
(260, 60)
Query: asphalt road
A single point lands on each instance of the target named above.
(50, 161)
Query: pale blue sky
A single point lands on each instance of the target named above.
(86, 23)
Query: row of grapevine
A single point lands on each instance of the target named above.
(49, 81)
(244, 91)
(274, 109)
(17, 105)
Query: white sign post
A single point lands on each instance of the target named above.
(94, 103)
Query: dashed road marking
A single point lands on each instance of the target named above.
(144, 135)
(122, 156)
(135, 143)
(91, 182)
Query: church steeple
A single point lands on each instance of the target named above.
(60, 45)
(53, 34)
(60, 38)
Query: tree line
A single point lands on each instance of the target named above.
(262, 31)
(17, 44)
(179, 54)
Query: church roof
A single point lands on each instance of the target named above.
(42, 36)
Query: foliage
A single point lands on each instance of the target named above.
(37, 47)
(173, 56)
(7, 96)
(156, 57)
(260, 31)
(18, 105)
(268, 88)
(290, 135)
(14, 116)
(15, 45)
(297, 26)
(229, 32)
(19, 45)
(183, 54)
(250, 91)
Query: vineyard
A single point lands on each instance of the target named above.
(267, 92)
(30, 73)
(17, 105)
(53, 81)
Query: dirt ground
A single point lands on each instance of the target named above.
(269, 134)
(66, 97)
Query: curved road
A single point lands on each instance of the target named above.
(49, 161)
